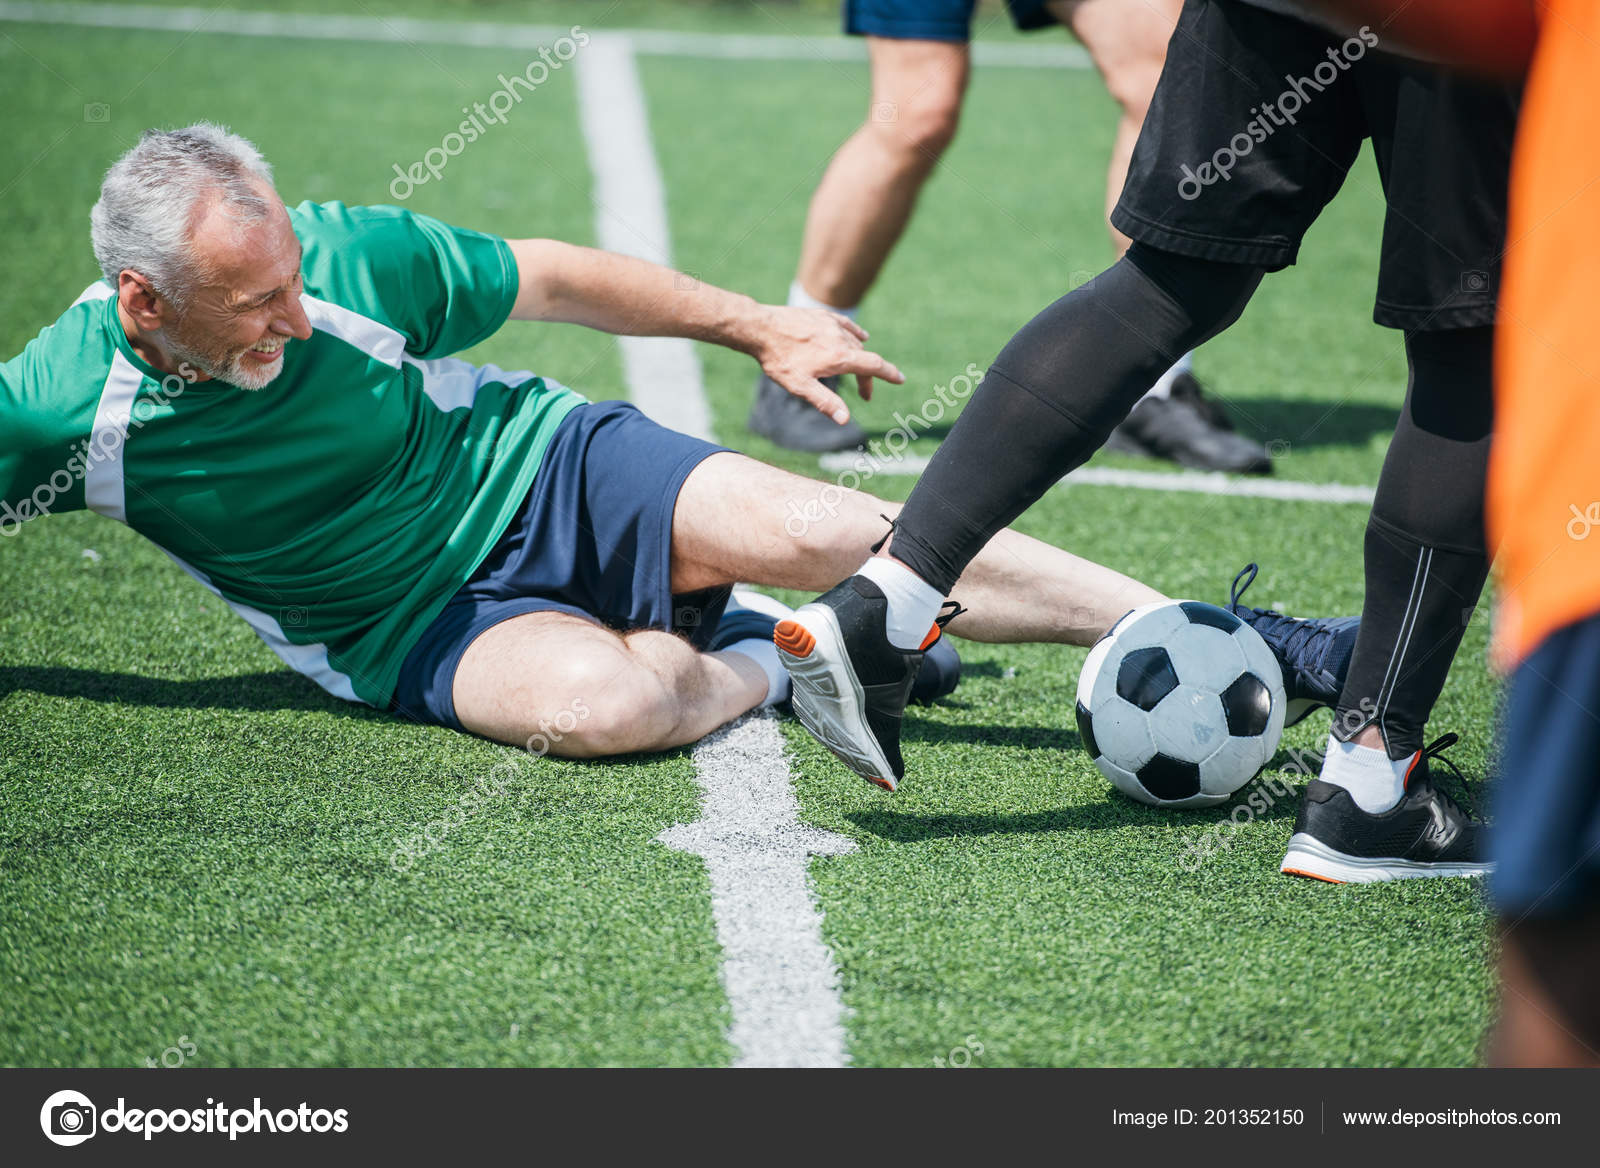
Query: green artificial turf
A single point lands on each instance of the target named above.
(196, 842)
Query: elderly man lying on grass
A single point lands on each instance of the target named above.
(269, 395)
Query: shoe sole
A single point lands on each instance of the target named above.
(1309, 856)
(826, 694)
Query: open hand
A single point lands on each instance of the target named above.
(800, 346)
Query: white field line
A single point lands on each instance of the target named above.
(484, 34)
(1197, 482)
(779, 975)
(782, 985)
(630, 216)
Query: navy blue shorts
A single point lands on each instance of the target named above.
(1545, 839)
(932, 20)
(593, 539)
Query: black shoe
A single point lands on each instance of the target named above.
(796, 424)
(1187, 428)
(1314, 654)
(850, 685)
(751, 614)
(1425, 834)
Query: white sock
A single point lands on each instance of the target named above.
(764, 653)
(913, 602)
(800, 298)
(1375, 781)
(1163, 385)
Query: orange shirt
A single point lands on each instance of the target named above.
(1544, 469)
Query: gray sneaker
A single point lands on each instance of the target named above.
(796, 424)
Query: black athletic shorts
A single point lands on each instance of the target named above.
(1255, 123)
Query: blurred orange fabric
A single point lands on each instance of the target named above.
(1544, 472)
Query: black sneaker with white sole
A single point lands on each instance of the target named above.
(751, 614)
(795, 424)
(1187, 428)
(849, 684)
(1426, 834)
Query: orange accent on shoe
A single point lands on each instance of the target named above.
(1405, 783)
(884, 783)
(933, 635)
(1313, 875)
(794, 638)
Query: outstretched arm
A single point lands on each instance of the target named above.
(619, 294)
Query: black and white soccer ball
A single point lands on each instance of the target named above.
(1180, 704)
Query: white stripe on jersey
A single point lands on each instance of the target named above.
(99, 290)
(376, 340)
(311, 660)
(452, 384)
(104, 492)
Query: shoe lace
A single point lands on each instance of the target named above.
(1435, 750)
(1295, 643)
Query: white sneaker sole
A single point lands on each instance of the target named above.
(1308, 856)
(827, 696)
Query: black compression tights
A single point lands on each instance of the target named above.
(1055, 392)
(1426, 557)
(1072, 374)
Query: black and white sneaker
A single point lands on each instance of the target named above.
(850, 685)
(795, 424)
(752, 614)
(1189, 429)
(1426, 834)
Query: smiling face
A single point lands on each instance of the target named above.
(247, 309)
(244, 309)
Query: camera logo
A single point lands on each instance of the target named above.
(67, 1118)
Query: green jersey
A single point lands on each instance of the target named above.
(339, 508)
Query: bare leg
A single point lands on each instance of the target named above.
(558, 682)
(867, 194)
(553, 682)
(737, 519)
(1534, 1029)
(1127, 40)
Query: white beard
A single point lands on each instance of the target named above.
(238, 370)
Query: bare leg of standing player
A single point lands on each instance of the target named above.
(867, 194)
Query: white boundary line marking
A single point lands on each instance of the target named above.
(778, 972)
(483, 34)
(630, 216)
(1192, 481)
(781, 982)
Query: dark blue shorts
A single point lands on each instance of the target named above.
(1545, 839)
(932, 20)
(593, 539)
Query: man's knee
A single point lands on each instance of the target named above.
(916, 97)
(923, 126)
(1132, 84)
(616, 708)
